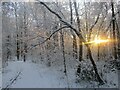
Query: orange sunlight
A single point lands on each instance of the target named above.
(98, 41)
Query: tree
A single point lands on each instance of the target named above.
(6, 44)
(17, 39)
(80, 37)
(74, 36)
(25, 32)
(79, 29)
(118, 29)
(63, 50)
(114, 30)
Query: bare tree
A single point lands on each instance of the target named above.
(118, 34)
(17, 35)
(74, 36)
(25, 23)
(79, 29)
(80, 37)
(114, 30)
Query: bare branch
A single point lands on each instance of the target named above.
(82, 39)
(49, 37)
(64, 22)
(90, 31)
(111, 21)
(50, 10)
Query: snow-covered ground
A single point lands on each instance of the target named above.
(38, 75)
(0, 78)
(0, 72)
(32, 76)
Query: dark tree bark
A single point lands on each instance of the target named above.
(98, 53)
(74, 36)
(118, 29)
(21, 43)
(94, 66)
(63, 51)
(80, 41)
(8, 47)
(114, 27)
(75, 53)
(25, 34)
(17, 41)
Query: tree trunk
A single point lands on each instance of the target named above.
(86, 26)
(25, 33)
(98, 53)
(63, 50)
(80, 41)
(17, 41)
(113, 26)
(94, 66)
(118, 34)
(74, 36)
(75, 53)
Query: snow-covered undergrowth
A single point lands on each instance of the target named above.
(39, 75)
(108, 73)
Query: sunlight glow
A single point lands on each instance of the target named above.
(71, 36)
(100, 41)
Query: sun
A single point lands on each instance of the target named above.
(98, 41)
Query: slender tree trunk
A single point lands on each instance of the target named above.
(98, 53)
(17, 41)
(94, 66)
(118, 34)
(25, 33)
(86, 26)
(80, 41)
(74, 36)
(75, 53)
(63, 50)
(21, 42)
(8, 47)
(114, 35)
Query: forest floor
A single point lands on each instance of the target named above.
(19, 74)
(31, 76)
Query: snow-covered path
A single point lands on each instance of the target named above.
(29, 77)
(38, 75)
(33, 76)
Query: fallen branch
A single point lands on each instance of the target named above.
(12, 81)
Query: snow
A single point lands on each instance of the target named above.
(38, 75)
(32, 76)
(0, 78)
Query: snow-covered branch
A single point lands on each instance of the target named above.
(49, 37)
